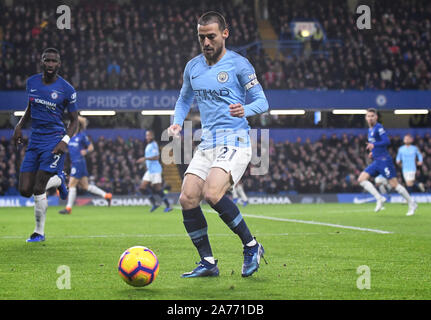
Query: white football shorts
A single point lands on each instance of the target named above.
(409, 175)
(231, 159)
(153, 178)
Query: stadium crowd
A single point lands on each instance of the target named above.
(330, 165)
(132, 44)
(393, 54)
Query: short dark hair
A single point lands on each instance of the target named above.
(50, 50)
(213, 17)
(373, 110)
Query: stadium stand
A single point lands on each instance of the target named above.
(145, 45)
(135, 45)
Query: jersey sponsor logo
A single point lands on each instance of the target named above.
(222, 77)
(33, 90)
(47, 103)
(208, 94)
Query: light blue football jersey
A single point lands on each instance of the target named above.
(214, 88)
(152, 150)
(407, 155)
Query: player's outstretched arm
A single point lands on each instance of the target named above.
(183, 104)
(61, 147)
(17, 133)
(140, 160)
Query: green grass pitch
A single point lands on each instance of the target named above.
(313, 252)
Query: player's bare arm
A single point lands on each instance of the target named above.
(61, 147)
(17, 134)
(142, 159)
(90, 148)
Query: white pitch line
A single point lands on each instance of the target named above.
(310, 222)
(161, 235)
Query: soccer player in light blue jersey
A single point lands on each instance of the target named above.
(152, 180)
(218, 79)
(79, 146)
(407, 156)
(49, 96)
(378, 141)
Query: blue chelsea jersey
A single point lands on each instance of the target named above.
(378, 136)
(214, 88)
(48, 103)
(78, 142)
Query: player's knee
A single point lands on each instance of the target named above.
(145, 191)
(38, 190)
(26, 192)
(211, 197)
(362, 177)
(187, 201)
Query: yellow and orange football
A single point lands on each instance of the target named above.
(138, 266)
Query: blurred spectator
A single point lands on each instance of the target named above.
(113, 45)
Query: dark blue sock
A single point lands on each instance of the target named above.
(164, 198)
(196, 227)
(230, 214)
(149, 192)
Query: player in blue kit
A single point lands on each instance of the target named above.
(406, 156)
(49, 97)
(152, 180)
(79, 146)
(378, 141)
(218, 79)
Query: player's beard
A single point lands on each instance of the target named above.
(212, 57)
